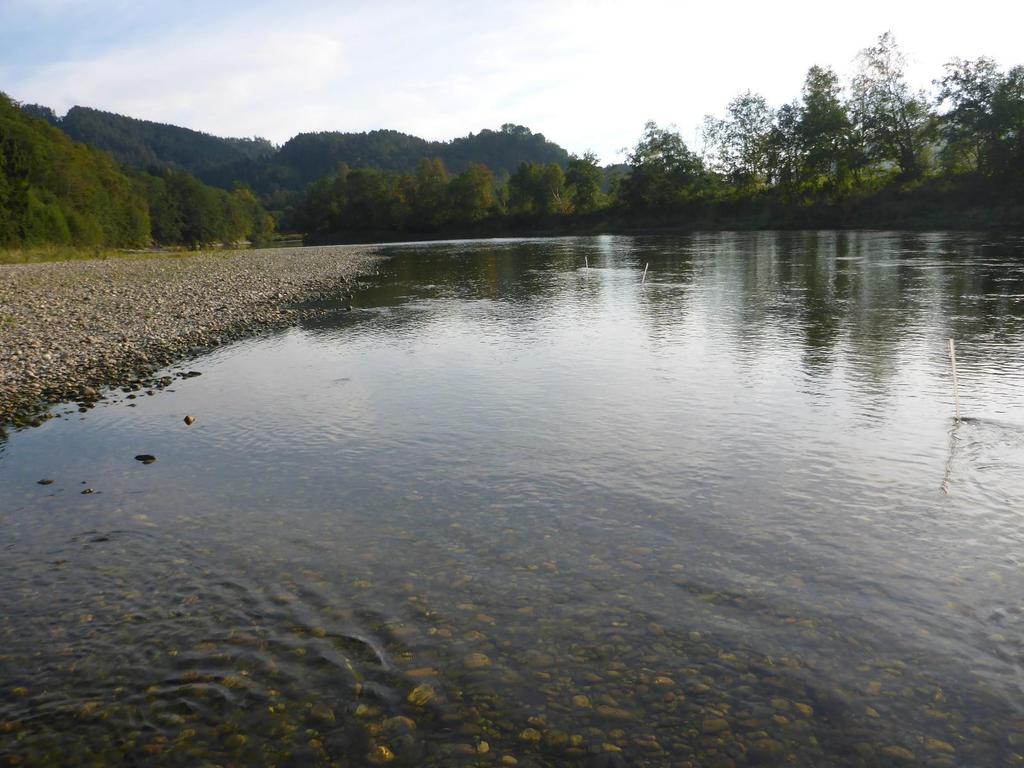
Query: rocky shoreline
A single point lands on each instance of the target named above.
(68, 329)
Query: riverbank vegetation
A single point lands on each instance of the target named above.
(873, 152)
(56, 192)
(870, 152)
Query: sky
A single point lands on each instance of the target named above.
(586, 73)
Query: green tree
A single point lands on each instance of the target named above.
(663, 173)
(584, 176)
(784, 149)
(740, 141)
(969, 130)
(538, 189)
(893, 119)
(825, 132)
(1008, 115)
(429, 195)
(472, 194)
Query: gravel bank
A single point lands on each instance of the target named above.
(69, 328)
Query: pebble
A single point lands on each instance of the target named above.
(615, 713)
(152, 311)
(938, 745)
(898, 753)
(477, 661)
(715, 725)
(421, 695)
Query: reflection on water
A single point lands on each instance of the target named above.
(512, 510)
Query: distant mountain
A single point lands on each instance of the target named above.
(279, 175)
(149, 145)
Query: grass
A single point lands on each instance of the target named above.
(47, 253)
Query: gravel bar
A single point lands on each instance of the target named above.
(69, 328)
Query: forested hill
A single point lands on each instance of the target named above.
(280, 175)
(312, 156)
(146, 144)
(54, 191)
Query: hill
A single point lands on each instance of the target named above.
(279, 179)
(57, 191)
(147, 144)
(279, 175)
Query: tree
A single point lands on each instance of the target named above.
(824, 131)
(1008, 114)
(472, 193)
(739, 142)
(429, 195)
(784, 147)
(893, 119)
(664, 173)
(969, 128)
(537, 189)
(584, 177)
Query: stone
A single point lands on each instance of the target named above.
(765, 750)
(615, 713)
(938, 745)
(381, 754)
(421, 695)
(477, 661)
(530, 735)
(322, 713)
(715, 725)
(901, 754)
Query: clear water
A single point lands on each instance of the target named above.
(721, 517)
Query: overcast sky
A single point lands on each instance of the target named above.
(585, 73)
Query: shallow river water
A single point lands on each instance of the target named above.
(521, 506)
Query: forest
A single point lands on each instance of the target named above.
(54, 191)
(870, 152)
(279, 175)
(873, 152)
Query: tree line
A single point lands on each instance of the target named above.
(860, 152)
(54, 191)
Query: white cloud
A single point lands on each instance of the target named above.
(587, 73)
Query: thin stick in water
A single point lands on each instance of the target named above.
(956, 383)
(642, 279)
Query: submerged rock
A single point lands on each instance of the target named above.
(421, 695)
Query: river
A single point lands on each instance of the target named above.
(521, 504)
